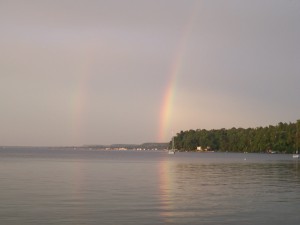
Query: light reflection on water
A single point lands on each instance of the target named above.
(80, 187)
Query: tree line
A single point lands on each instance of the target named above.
(282, 138)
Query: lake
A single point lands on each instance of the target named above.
(63, 186)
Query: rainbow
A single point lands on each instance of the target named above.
(79, 98)
(167, 106)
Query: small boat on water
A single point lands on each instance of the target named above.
(296, 155)
(172, 150)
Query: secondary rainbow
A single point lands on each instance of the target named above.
(79, 98)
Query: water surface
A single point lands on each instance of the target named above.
(59, 186)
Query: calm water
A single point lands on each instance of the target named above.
(46, 186)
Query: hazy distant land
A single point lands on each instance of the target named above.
(144, 146)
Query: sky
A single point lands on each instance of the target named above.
(77, 72)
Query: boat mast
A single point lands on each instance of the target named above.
(297, 137)
(173, 145)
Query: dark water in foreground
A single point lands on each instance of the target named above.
(100, 187)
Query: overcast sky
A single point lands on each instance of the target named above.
(75, 72)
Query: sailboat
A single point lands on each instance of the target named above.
(296, 154)
(172, 151)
